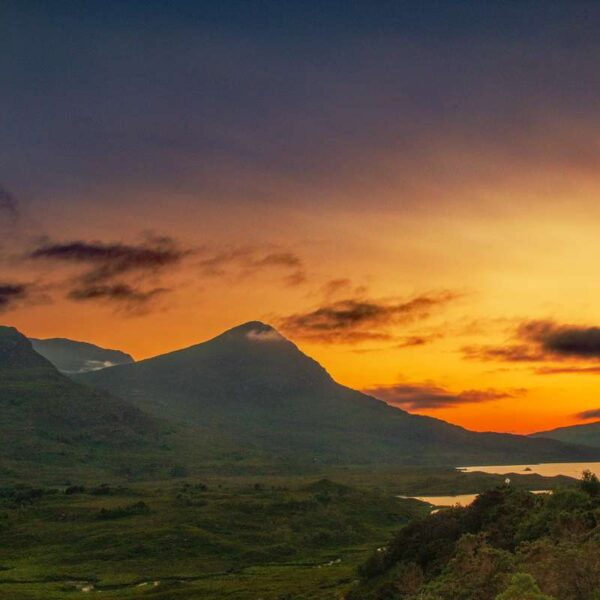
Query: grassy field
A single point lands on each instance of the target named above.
(254, 536)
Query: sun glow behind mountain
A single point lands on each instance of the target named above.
(408, 195)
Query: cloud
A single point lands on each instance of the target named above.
(117, 291)
(8, 203)
(430, 396)
(250, 260)
(566, 370)
(340, 288)
(361, 319)
(510, 353)
(417, 340)
(564, 340)
(544, 341)
(115, 272)
(11, 294)
(269, 335)
(113, 259)
(594, 413)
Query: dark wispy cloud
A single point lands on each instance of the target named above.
(564, 340)
(544, 341)
(568, 370)
(417, 340)
(430, 396)
(11, 294)
(362, 319)
(117, 291)
(250, 260)
(115, 272)
(588, 415)
(510, 353)
(113, 259)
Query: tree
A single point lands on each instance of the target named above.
(589, 483)
(523, 587)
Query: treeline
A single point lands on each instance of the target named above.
(507, 545)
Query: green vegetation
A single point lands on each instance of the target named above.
(509, 544)
(270, 536)
(226, 538)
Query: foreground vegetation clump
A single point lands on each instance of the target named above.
(509, 544)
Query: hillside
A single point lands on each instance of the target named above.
(256, 387)
(69, 356)
(507, 545)
(48, 421)
(587, 434)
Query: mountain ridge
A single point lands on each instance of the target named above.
(71, 356)
(252, 384)
(587, 434)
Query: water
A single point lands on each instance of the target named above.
(460, 499)
(546, 469)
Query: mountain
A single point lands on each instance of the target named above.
(49, 421)
(252, 385)
(587, 434)
(69, 356)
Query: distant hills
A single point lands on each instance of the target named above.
(48, 420)
(69, 356)
(252, 386)
(587, 434)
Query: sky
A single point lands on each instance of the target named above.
(410, 191)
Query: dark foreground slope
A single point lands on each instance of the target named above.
(48, 421)
(69, 356)
(588, 434)
(508, 545)
(255, 387)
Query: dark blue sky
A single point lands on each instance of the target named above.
(148, 91)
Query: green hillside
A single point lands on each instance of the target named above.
(588, 434)
(255, 387)
(50, 423)
(508, 544)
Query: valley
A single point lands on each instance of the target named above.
(265, 536)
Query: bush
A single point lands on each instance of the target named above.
(522, 587)
(590, 484)
(139, 508)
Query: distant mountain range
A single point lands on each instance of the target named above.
(69, 356)
(247, 397)
(252, 386)
(587, 434)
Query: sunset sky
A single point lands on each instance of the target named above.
(410, 191)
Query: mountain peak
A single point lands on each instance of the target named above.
(16, 351)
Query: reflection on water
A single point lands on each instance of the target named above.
(460, 499)
(546, 469)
